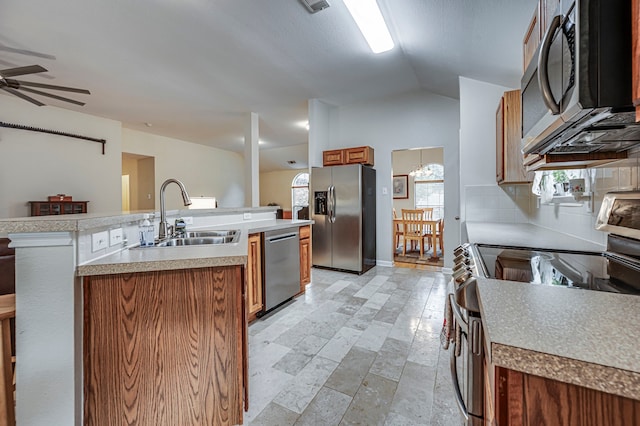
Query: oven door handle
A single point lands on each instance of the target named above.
(456, 384)
(464, 325)
(543, 69)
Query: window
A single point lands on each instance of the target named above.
(429, 189)
(555, 183)
(300, 191)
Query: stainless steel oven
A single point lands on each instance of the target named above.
(617, 269)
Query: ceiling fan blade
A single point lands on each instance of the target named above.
(22, 95)
(53, 87)
(51, 95)
(31, 69)
(26, 52)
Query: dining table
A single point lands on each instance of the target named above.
(433, 224)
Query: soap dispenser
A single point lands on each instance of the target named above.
(146, 231)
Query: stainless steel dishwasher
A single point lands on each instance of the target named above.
(281, 266)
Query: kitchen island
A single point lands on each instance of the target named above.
(68, 281)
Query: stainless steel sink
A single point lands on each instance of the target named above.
(196, 241)
(199, 238)
(200, 234)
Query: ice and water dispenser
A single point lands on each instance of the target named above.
(320, 202)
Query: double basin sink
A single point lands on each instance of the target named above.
(197, 238)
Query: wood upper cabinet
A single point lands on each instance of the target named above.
(254, 276)
(636, 55)
(531, 38)
(542, 15)
(525, 399)
(165, 347)
(357, 155)
(333, 157)
(509, 159)
(305, 257)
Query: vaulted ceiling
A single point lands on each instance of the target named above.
(193, 69)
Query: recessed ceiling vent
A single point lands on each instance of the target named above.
(314, 6)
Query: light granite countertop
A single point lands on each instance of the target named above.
(145, 259)
(526, 235)
(85, 221)
(582, 337)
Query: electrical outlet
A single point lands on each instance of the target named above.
(246, 216)
(115, 236)
(188, 220)
(99, 241)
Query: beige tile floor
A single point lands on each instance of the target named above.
(354, 350)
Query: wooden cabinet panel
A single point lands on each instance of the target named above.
(254, 276)
(636, 55)
(509, 159)
(571, 161)
(305, 257)
(500, 141)
(46, 208)
(333, 158)
(525, 399)
(357, 155)
(164, 347)
(531, 38)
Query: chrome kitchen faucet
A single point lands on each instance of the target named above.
(164, 227)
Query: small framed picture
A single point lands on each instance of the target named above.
(401, 186)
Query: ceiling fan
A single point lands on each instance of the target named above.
(16, 87)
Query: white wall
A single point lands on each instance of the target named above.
(205, 171)
(35, 165)
(318, 131)
(275, 187)
(410, 120)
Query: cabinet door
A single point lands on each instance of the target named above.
(531, 38)
(333, 158)
(305, 263)
(500, 141)
(254, 275)
(359, 155)
(512, 159)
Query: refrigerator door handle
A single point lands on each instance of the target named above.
(329, 204)
(332, 204)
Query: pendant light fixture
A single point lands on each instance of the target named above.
(421, 171)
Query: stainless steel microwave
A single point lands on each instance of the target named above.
(577, 90)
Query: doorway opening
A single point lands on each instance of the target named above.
(138, 182)
(418, 190)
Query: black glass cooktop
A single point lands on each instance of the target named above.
(559, 268)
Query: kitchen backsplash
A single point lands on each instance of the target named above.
(517, 204)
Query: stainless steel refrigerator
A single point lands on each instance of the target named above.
(344, 210)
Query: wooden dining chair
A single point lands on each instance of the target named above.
(428, 215)
(398, 230)
(414, 230)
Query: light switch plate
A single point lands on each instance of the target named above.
(188, 220)
(99, 241)
(115, 236)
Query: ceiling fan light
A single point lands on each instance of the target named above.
(369, 19)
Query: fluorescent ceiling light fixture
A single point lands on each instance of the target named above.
(303, 124)
(369, 19)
